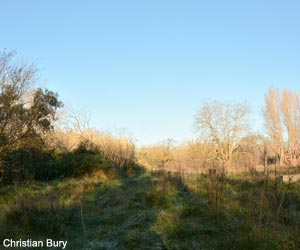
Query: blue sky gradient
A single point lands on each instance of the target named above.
(146, 66)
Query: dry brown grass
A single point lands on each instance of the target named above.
(120, 150)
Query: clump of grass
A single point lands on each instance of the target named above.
(36, 215)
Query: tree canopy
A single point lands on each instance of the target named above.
(224, 124)
(27, 113)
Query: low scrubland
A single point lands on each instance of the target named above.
(132, 207)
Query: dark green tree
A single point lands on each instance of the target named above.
(26, 113)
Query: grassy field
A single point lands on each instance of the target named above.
(139, 209)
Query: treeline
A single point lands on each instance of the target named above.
(197, 156)
(227, 140)
(34, 147)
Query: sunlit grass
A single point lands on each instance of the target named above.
(145, 210)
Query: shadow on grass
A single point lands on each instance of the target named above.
(136, 209)
(107, 210)
(232, 224)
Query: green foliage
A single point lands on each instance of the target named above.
(151, 211)
(26, 115)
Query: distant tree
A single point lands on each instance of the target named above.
(194, 155)
(282, 122)
(273, 122)
(290, 108)
(251, 151)
(224, 124)
(159, 155)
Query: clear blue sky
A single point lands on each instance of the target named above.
(145, 66)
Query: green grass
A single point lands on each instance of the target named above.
(144, 210)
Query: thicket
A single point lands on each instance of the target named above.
(49, 163)
(30, 147)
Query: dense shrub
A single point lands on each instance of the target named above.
(59, 162)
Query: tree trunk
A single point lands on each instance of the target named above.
(281, 157)
(265, 160)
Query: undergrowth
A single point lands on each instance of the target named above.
(136, 209)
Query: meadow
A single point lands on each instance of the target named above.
(142, 209)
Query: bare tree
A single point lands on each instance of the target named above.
(157, 156)
(273, 123)
(282, 121)
(291, 119)
(224, 124)
(251, 152)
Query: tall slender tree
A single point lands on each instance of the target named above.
(273, 121)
